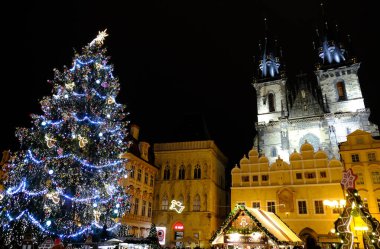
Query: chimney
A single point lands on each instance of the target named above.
(135, 129)
(144, 150)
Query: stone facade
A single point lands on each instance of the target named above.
(192, 173)
(140, 185)
(322, 114)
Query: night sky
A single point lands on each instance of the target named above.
(185, 67)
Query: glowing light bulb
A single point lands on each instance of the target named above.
(125, 176)
(51, 172)
(66, 96)
(95, 205)
(115, 211)
(100, 134)
(43, 123)
(108, 116)
(48, 223)
(118, 205)
(97, 81)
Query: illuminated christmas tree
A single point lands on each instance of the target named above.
(355, 208)
(64, 181)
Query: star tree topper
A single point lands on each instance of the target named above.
(99, 38)
(348, 179)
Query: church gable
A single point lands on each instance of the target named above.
(305, 103)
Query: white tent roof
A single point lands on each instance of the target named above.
(268, 220)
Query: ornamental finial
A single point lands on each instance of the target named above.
(99, 38)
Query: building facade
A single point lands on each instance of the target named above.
(140, 185)
(190, 194)
(322, 109)
(297, 191)
(361, 153)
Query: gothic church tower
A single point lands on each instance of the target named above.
(321, 114)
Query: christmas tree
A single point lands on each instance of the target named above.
(65, 180)
(355, 208)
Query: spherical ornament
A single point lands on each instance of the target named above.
(100, 134)
(51, 172)
(97, 81)
(116, 211)
(104, 84)
(48, 223)
(108, 116)
(95, 204)
(43, 123)
(118, 205)
(66, 96)
(110, 100)
(60, 151)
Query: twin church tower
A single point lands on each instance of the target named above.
(322, 113)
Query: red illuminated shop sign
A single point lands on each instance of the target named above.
(178, 226)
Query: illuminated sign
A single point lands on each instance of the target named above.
(178, 226)
(161, 233)
(177, 206)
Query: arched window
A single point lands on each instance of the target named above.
(167, 173)
(197, 203)
(181, 172)
(197, 172)
(164, 203)
(133, 171)
(341, 91)
(273, 152)
(271, 102)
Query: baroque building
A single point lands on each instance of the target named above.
(323, 110)
(190, 194)
(297, 191)
(361, 153)
(140, 185)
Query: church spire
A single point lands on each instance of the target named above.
(329, 45)
(269, 65)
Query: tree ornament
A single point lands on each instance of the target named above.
(348, 179)
(100, 38)
(70, 86)
(110, 189)
(104, 84)
(96, 215)
(60, 151)
(82, 141)
(110, 100)
(1, 196)
(50, 142)
(54, 196)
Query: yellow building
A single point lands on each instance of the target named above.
(190, 192)
(140, 185)
(361, 153)
(297, 192)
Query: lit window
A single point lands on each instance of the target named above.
(271, 206)
(136, 208)
(360, 180)
(355, 158)
(376, 177)
(143, 208)
(309, 175)
(197, 203)
(197, 172)
(245, 178)
(133, 171)
(149, 209)
(318, 207)
(341, 91)
(167, 173)
(372, 157)
(302, 209)
(164, 203)
(256, 204)
(181, 172)
(151, 181)
(146, 178)
(139, 175)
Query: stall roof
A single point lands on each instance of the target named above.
(267, 222)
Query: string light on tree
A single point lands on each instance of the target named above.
(68, 192)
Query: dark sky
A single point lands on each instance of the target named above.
(178, 62)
